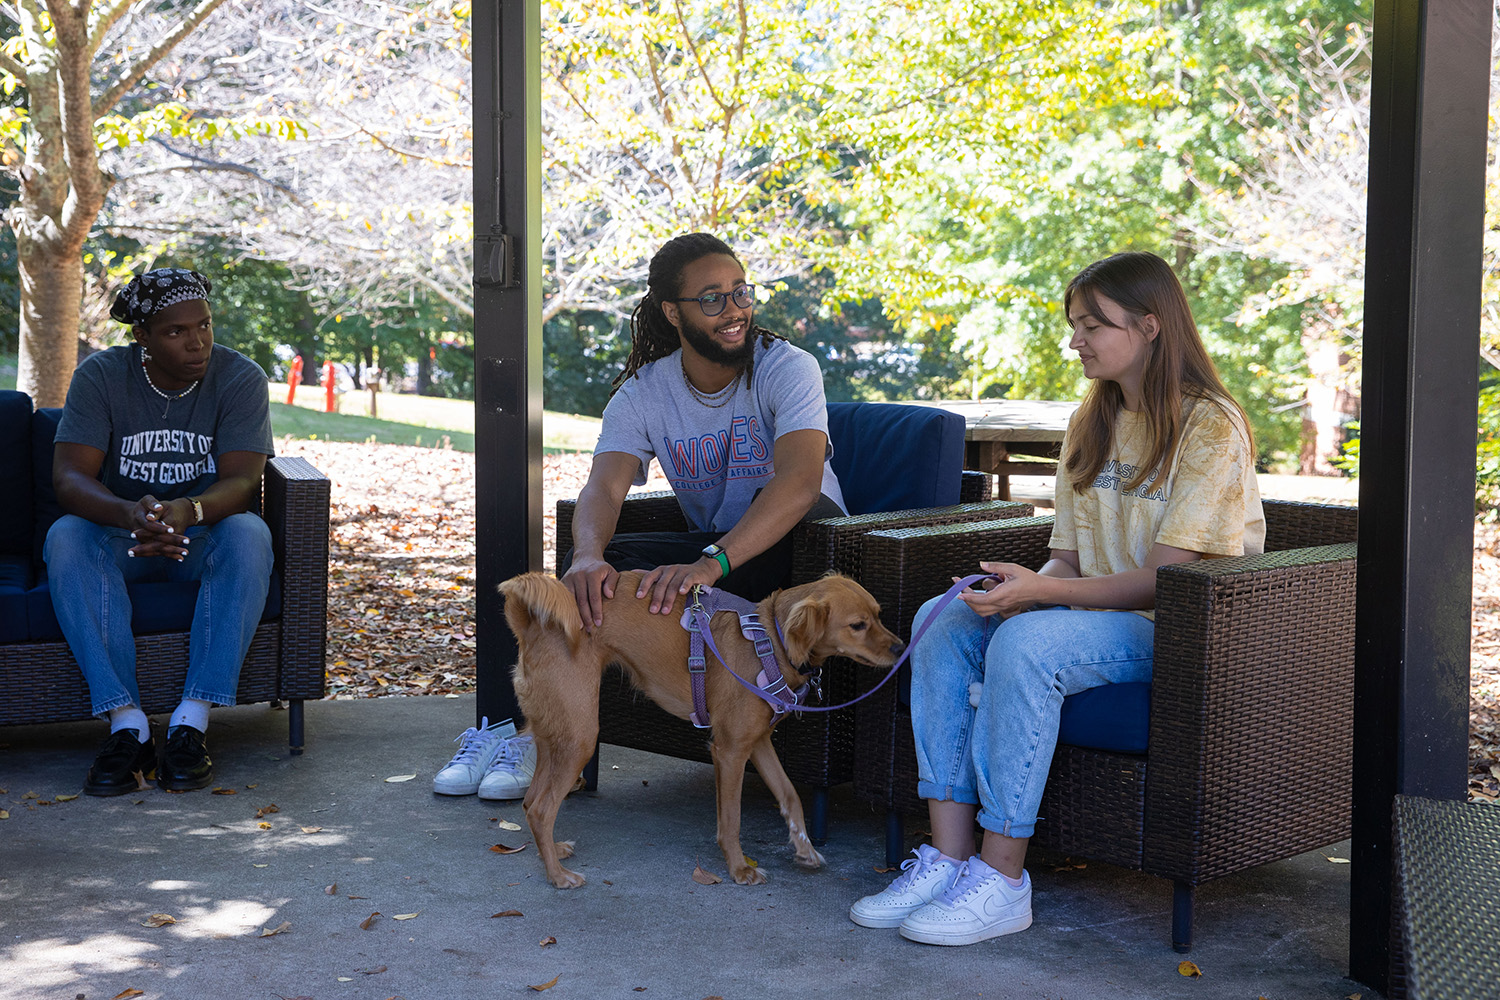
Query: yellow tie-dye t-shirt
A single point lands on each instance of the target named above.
(1210, 502)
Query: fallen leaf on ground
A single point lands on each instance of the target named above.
(346, 979)
(373, 972)
(331, 889)
(1355, 996)
(4, 814)
(312, 829)
(507, 913)
(705, 878)
(267, 810)
(750, 861)
(547, 985)
(264, 825)
(66, 798)
(128, 993)
(225, 791)
(34, 795)
(400, 777)
(506, 824)
(1336, 861)
(405, 916)
(369, 921)
(544, 942)
(280, 928)
(159, 920)
(884, 871)
(253, 865)
(1188, 969)
(502, 849)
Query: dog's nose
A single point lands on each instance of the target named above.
(897, 647)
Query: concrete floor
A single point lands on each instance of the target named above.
(79, 879)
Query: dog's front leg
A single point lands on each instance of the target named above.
(771, 772)
(729, 781)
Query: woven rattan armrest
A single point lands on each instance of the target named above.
(835, 542)
(297, 511)
(654, 511)
(1250, 743)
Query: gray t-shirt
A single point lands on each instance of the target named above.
(112, 407)
(716, 457)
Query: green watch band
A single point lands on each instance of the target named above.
(717, 552)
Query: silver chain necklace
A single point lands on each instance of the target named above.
(712, 399)
(168, 397)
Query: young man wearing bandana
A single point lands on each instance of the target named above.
(157, 465)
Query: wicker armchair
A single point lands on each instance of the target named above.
(817, 749)
(1248, 749)
(40, 681)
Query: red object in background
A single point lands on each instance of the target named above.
(293, 380)
(329, 384)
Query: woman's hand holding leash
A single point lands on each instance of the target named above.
(1017, 589)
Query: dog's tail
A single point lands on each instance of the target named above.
(535, 602)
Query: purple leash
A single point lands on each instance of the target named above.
(778, 696)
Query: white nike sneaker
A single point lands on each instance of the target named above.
(922, 878)
(477, 749)
(979, 905)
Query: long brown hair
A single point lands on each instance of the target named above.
(1177, 368)
(652, 335)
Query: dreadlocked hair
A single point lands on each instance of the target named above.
(652, 335)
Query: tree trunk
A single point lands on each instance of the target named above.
(51, 289)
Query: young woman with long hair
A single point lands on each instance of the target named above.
(1157, 468)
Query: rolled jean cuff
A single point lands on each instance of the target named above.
(103, 708)
(947, 793)
(1015, 829)
(208, 696)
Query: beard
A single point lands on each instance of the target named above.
(700, 339)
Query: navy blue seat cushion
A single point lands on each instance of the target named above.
(888, 456)
(15, 580)
(1114, 717)
(15, 472)
(154, 607)
(45, 509)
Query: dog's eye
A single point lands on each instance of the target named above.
(859, 626)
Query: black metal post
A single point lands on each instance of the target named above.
(507, 327)
(1418, 427)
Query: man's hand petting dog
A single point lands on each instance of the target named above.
(557, 684)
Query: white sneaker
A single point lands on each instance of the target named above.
(922, 878)
(980, 904)
(477, 748)
(509, 774)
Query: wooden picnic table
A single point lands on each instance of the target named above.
(997, 429)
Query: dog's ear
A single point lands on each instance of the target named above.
(805, 625)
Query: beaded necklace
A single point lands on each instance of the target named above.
(145, 356)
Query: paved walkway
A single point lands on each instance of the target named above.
(80, 877)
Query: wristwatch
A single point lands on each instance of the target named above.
(197, 509)
(717, 553)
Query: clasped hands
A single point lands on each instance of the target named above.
(152, 524)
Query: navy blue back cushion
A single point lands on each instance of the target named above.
(888, 456)
(15, 473)
(46, 510)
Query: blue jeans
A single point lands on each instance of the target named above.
(88, 566)
(997, 756)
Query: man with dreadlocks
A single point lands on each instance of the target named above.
(157, 464)
(736, 417)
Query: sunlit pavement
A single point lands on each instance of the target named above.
(272, 888)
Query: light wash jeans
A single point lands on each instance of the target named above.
(997, 756)
(88, 566)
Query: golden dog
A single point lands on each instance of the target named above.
(557, 684)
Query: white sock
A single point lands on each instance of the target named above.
(192, 712)
(130, 717)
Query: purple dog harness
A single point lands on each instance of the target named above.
(769, 685)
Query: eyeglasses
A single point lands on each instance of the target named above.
(713, 303)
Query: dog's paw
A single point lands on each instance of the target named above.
(812, 860)
(565, 879)
(565, 848)
(749, 876)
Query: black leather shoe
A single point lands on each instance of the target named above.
(184, 763)
(115, 767)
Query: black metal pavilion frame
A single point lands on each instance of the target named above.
(1422, 301)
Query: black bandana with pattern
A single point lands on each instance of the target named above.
(150, 293)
